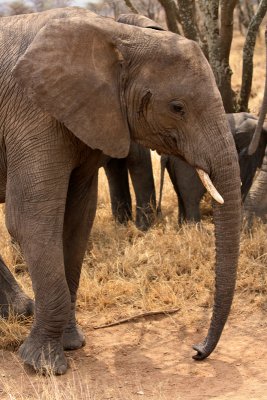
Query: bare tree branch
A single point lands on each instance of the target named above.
(226, 37)
(219, 42)
(187, 13)
(131, 6)
(211, 11)
(248, 52)
(170, 11)
(138, 316)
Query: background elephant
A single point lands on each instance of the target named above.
(138, 163)
(75, 85)
(256, 201)
(186, 183)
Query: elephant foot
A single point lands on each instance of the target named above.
(12, 297)
(24, 306)
(20, 305)
(144, 221)
(73, 337)
(45, 356)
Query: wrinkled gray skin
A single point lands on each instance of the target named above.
(256, 201)
(186, 183)
(138, 163)
(74, 85)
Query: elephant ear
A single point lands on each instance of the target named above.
(139, 20)
(72, 71)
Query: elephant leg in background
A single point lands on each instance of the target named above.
(12, 297)
(256, 200)
(140, 168)
(118, 180)
(188, 188)
(79, 216)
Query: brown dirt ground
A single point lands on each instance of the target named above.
(151, 359)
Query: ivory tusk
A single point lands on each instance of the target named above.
(205, 179)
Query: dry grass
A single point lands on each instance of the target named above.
(126, 271)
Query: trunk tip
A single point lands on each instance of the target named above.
(202, 352)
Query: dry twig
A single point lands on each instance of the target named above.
(138, 316)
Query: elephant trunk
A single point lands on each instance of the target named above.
(225, 176)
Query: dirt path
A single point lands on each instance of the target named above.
(151, 359)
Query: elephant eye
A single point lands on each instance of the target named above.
(177, 108)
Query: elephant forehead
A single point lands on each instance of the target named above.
(177, 59)
(175, 82)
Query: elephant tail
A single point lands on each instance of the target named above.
(163, 164)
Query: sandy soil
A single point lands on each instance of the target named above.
(151, 359)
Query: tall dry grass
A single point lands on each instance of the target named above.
(126, 271)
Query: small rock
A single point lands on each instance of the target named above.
(140, 392)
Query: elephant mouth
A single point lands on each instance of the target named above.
(169, 141)
(207, 183)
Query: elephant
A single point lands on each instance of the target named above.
(75, 86)
(187, 185)
(256, 201)
(138, 163)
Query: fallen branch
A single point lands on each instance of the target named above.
(138, 316)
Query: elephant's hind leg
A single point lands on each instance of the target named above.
(141, 172)
(12, 297)
(79, 217)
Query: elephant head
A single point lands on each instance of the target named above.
(107, 81)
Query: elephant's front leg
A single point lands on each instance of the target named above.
(35, 208)
(79, 217)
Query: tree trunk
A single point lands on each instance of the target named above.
(248, 52)
(187, 12)
(130, 5)
(170, 11)
(219, 45)
(226, 37)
